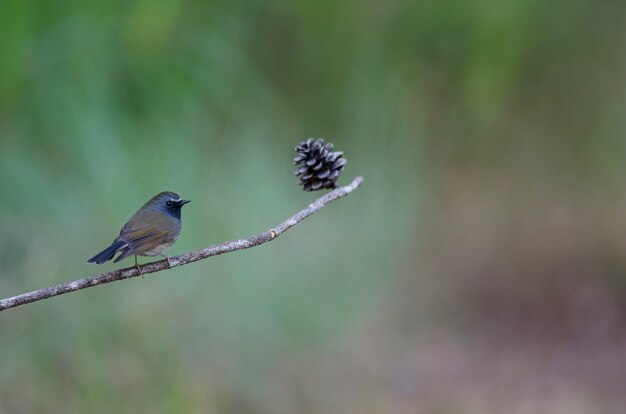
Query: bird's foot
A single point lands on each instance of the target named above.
(138, 267)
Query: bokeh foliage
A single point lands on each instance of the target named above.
(491, 138)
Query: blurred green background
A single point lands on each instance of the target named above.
(481, 267)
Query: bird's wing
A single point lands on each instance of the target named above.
(148, 230)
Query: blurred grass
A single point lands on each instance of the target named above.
(477, 126)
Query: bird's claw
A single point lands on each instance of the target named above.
(138, 267)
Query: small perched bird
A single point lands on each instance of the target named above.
(150, 231)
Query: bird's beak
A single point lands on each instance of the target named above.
(183, 202)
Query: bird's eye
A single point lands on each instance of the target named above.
(169, 203)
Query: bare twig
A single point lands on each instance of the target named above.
(183, 259)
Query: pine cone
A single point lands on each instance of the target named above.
(319, 166)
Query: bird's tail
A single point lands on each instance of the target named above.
(108, 253)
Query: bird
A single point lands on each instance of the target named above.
(152, 230)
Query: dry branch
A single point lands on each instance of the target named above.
(183, 259)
